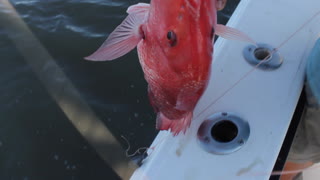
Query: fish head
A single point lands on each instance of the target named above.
(182, 31)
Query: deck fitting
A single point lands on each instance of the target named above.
(223, 133)
(255, 54)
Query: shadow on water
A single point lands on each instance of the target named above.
(22, 117)
(40, 116)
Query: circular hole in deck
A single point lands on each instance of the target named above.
(224, 131)
(262, 54)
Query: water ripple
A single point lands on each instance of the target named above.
(57, 16)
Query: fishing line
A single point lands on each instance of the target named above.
(233, 86)
(137, 151)
(278, 173)
(246, 75)
(299, 29)
(274, 173)
(256, 66)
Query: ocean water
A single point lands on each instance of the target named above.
(37, 141)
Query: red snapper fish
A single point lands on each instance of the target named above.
(174, 39)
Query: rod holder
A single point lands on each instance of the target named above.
(223, 133)
(263, 56)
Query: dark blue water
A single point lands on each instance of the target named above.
(37, 141)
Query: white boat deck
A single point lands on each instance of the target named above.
(265, 99)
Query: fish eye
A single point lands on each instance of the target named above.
(172, 37)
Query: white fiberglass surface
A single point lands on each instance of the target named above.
(266, 99)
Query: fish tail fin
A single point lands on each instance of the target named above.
(176, 126)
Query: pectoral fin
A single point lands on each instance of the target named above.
(139, 8)
(122, 40)
(232, 33)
